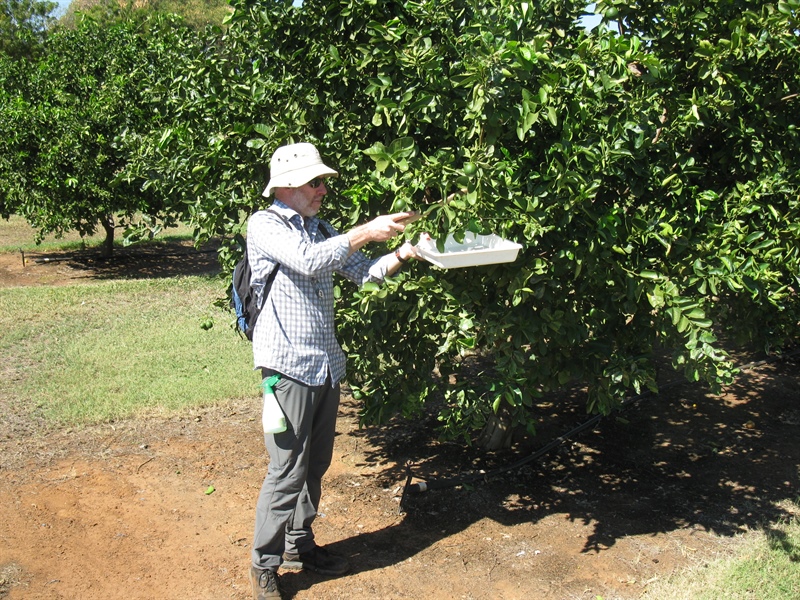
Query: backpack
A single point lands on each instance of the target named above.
(243, 300)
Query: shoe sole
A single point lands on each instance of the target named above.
(299, 565)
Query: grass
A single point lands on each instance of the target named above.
(764, 565)
(99, 352)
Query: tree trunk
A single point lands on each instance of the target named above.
(498, 432)
(107, 249)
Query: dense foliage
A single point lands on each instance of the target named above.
(68, 102)
(650, 169)
(62, 122)
(196, 13)
(651, 175)
(23, 25)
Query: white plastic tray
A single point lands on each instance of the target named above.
(475, 250)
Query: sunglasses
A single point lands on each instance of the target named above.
(316, 182)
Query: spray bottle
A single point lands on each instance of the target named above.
(272, 418)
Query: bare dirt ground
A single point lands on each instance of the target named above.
(125, 509)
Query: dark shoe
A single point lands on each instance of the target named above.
(318, 560)
(266, 584)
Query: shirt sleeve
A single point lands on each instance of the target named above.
(275, 240)
(284, 242)
(360, 269)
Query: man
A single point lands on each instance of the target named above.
(295, 340)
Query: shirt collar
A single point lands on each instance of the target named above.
(309, 225)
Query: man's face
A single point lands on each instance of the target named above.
(306, 200)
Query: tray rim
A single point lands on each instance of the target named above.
(445, 260)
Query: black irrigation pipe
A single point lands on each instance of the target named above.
(449, 482)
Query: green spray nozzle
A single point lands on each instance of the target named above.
(269, 383)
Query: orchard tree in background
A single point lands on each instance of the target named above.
(196, 13)
(651, 174)
(23, 26)
(65, 109)
(63, 120)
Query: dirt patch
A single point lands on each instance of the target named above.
(127, 510)
(156, 259)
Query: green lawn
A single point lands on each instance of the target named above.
(763, 565)
(97, 352)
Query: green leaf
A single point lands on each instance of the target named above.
(756, 235)
(467, 342)
(256, 143)
(496, 404)
(262, 129)
(651, 275)
(552, 116)
(165, 137)
(656, 297)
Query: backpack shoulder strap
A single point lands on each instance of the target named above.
(283, 217)
(326, 230)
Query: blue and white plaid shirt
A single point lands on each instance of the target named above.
(295, 333)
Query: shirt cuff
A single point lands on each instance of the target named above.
(381, 267)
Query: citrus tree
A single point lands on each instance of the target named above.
(64, 114)
(196, 13)
(649, 170)
(23, 25)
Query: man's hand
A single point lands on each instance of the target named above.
(380, 229)
(386, 227)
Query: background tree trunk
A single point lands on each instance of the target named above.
(107, 249)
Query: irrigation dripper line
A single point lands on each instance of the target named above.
(440, 484)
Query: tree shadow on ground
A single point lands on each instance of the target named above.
(682, 459)
(148, 260)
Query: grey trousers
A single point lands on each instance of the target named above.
(299, 457)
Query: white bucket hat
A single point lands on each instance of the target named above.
(295, 165)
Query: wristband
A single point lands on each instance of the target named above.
(400, 258)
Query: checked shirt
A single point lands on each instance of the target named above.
(295, 334)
